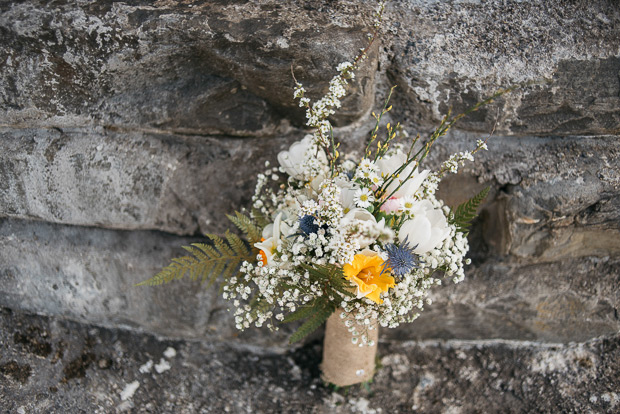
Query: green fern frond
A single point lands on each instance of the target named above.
(222, 257)
(247, 226)
(175, 270)
(259, 218)
(462, 216)
(331, 276)
(323, 310)
(317, 311)
(301, 312)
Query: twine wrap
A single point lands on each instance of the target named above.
(345, 363)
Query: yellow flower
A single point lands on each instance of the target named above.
(365, 272)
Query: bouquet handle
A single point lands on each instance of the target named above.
(345, 363)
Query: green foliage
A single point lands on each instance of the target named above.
(259, 218)
(247, 226)
(331, 277)
(321, 310)
(302, 312)
(462, 216)
(317, 311)
(218, 257)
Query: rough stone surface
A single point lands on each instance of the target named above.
(203, 67)
(129, 180)
(552, 198)
(89, 275)
(122, 125)
(222, 67)
(550, 193)
(454, 54)
(562, 301)
(50, 365)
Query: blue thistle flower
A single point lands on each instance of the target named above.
(307, 224)
(401, 259)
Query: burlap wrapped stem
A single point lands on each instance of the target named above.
(345, 363)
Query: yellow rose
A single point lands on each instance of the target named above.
(365, 272)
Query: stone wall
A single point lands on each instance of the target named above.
(129, 130)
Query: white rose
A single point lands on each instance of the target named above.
(293, 160)
(388, 166)
(426, 230)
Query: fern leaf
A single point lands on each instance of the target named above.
(462, 216)
(173, 271)
(247, 226)
(331, 274)
(220, 245)
(196, 251)
(221, 258)
(259, 218)
(313, 322)
(207, 249)
(238, 246)
(212, 274)
(301, 313)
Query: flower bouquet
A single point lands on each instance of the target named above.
(354, 240)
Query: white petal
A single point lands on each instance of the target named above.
(316, 183)
(436, 217)
(358, 214)
(437, 236)
(412, 185)
(268, 231)
(276, 227)
(417, 231)
(290, 166)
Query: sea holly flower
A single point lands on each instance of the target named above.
(401, 259)
(308, 225)
(426, 229)
(365, 273)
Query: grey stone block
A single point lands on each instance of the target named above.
(567, 300)
(89, 275)
(212, 68)
(552, 198)
(129, 180)
(451, 55)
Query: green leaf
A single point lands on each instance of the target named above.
(313, 322)
(247, 226)
(463, 215)
(219, 258)
(301, 313)
(259, 218)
